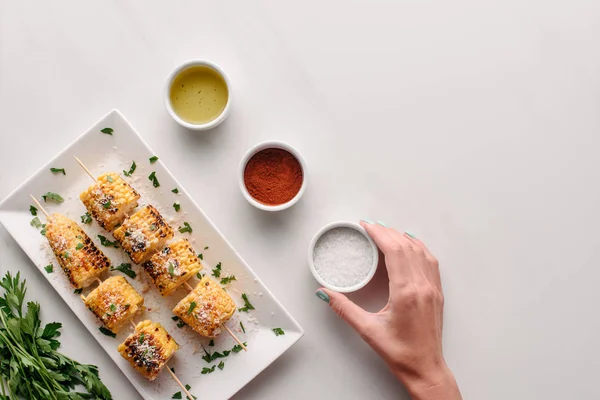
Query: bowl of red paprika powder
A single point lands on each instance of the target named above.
(272, 176)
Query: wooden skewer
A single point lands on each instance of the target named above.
(40, 206)
(85, 168)
(187, 285)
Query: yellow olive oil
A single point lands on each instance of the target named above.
(199, 95)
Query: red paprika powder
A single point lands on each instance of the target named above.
(273, 176)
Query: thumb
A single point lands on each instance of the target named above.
(355, 316)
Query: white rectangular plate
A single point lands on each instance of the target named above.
(103, 153)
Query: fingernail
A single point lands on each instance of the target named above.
(322, 295)
(410, 234)
(382, 223)
(368, 221)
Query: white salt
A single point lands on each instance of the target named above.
(343, 257)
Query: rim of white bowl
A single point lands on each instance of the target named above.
(167, 95)
(311, 249)
(271, 144)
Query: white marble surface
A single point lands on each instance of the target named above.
(475, 124)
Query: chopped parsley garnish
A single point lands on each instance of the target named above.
(105, 242)
(176, 206)
(221, 365)
(152, 227)
(53, 196)
(152, 178)
(200, 256)
(171, 269)
(187, 387)
(247, 305)
(172, 369)
(106, 205)
(58, 170)
(126, 269)
(216, 272)
(227, 279)
(211, 343)
(36, 223)
(131, 169)
(180, 323)
(43, 231)
(107, 332)
(78, 291)
(242, 326)
(192, 306)
(210, 357)
(127, 233)
(141, 339)
(177, 395)
(278, 331)
(108, 131)
(237, 348)
(200, 275)
(186, 228)
(79, 237)
(66, 255)
(206, 248)
(113, 307)
(110, 179)
(86, 218)
(153, 159)
(33, 210)
(208, 370)
(79, 246)
(49, 268)
(175, 190)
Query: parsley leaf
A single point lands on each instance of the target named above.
(105, 242)
(247, 305)
(206, 248)
(186, 228)
(33, 210)
(192, 306)
(126, 269)
(36, 223)
(216, 272)
(208, 370)
(237, 348)
(180, 323)
(78, 291)
(43, 231)
(106, 205)
(200, 275)
(278, 331)
(49, 268)
(221, 365)
(86, 218)
(177, 395)
(153, 159)
(200, 256)
(171, 269)
(242, 326)
(107, 332)
(176, 206)
(108, 131)
(53, 196)
(110, 179)
(131, 169)
(153, 179)
(187, 387)
(79, 246)
(211, 343)
(58, 170)
(175, 190)
(228, 279)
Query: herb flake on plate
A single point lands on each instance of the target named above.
(36, 223)
(131, 169)
(153, 159)
(278, 331)
(55, 170)
(126, 269)
(105, 242)
(49, 268)
(108, 131)
(78, 291)
(208, 370)
(176, 206)
(247, 305)
(185, 228)
(175, 190)
(242, 326)
(152, 178)
(221, 365)
(55, 197)
(33, 210)
(216, 272)
(228, 279)
(107, 332)
(86, 218)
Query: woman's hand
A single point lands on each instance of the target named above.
(407, 332)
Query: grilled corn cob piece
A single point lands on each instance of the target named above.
(78, 256)
(148, 348)
(110, 200)
(143, 233)
(206, 308)
(172, 266)
(115, 302)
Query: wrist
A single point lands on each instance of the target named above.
(431, 384)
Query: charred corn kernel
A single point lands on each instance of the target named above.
(115, 302)
(206, 308)
(148, 348)
(143, 233)
(78, 256)
(172, 266)
(110, 200)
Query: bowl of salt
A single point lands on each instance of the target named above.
(342, 257)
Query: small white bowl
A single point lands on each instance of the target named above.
(167, 93)
(311, 264)
(252, 152)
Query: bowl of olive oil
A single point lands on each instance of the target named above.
(198, 95)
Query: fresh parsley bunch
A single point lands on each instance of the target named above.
(30, 366)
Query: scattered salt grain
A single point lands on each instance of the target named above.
(343, 257)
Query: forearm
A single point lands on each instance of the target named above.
(434, 385)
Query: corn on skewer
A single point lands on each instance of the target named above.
(138, 221)
(76, 253)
